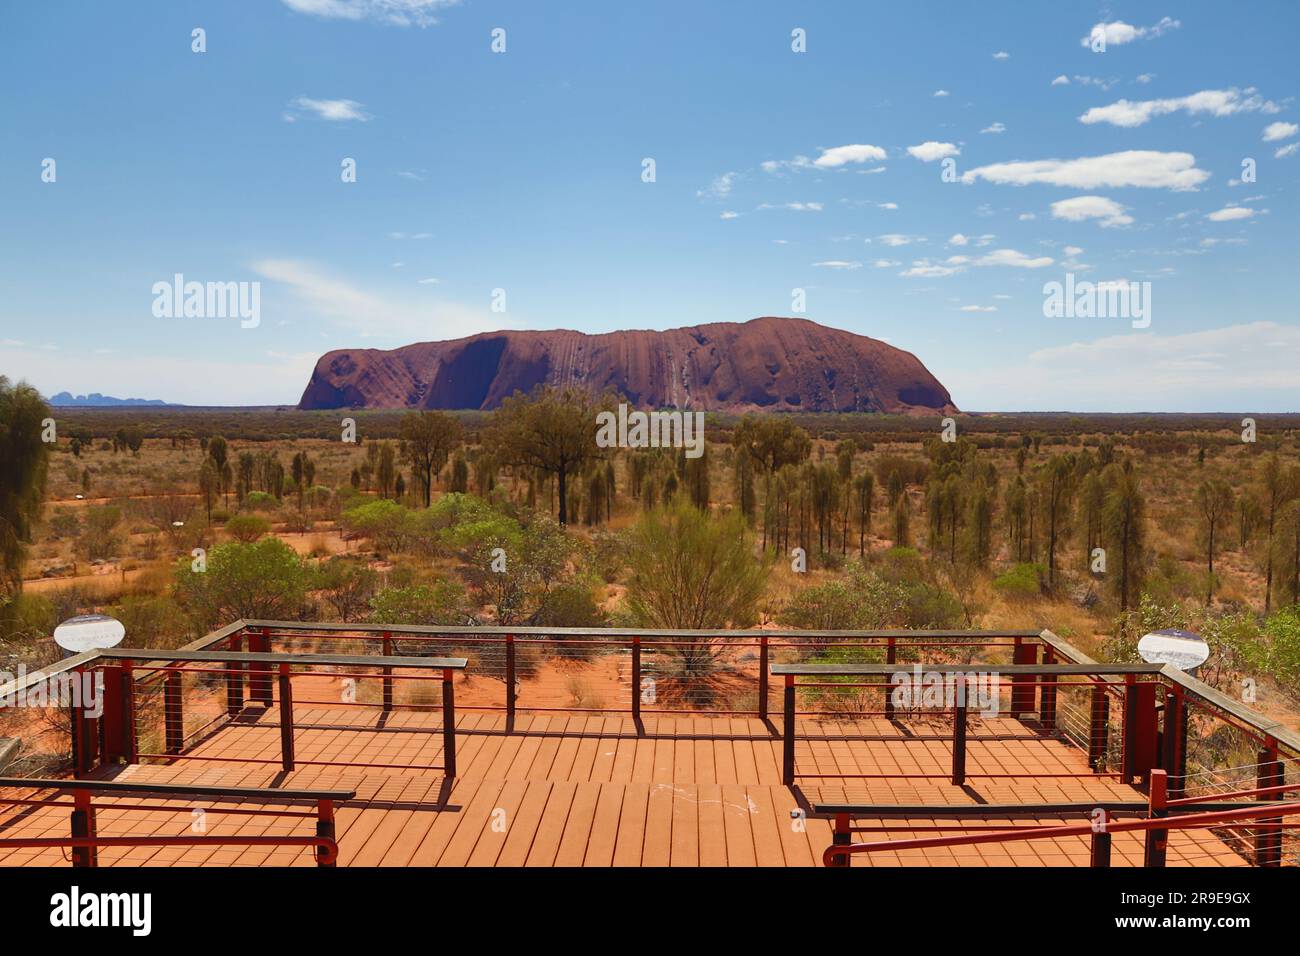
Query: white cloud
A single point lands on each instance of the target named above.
(940, 92)
(1010, 257)
(978, 308)
(1230, 214)
(837, 264)
(1144, 78)
(431, 280)
(325, 295)
(886, 263)
(1117, 32)
(994, 128)
(1026, 217)
(1130, 113)
(333, 110)
(1002, 55)
(957, 239)
(728, 214)
(924, 269)
(929, 151)
(1080, 208)
(1145, 168)
(401, 13)
(1285, 151)
(896, 239)
(794, 206)
(854, 153)
(928, 269)
(1275, 131)
(720, 188)
(1061, 80)
(1072, 251)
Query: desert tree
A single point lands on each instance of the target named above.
(209, 485)
(428, 439)
(864, 488)
(459, 475)
(550, 431)
(1015, 506)
(773, 443)
(1092, 499)
(1214, 500)
(1279, 487)
(386, 471)
(1288, 547)
(1056, 495)
(901, 521)
(1123, 533)
(24, 463)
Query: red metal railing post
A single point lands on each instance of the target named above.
(1100, 856)
(84, 728)
(286, 718)
(1023, 686)
(235, 679)
(636, 679)
(388, 673)
(325, 828)
(173, 715)
(787, 742)
(891, 657)
(448, 724)
(763, 660)
(1157, 839)
(1268, 838)
(1047, 695)
(960, 688)
(842, 836)
(1173, 756)
(119, 713)
(510, 677)
(1099, 728)
(1140, 753)
(259, 678)
(83, 825)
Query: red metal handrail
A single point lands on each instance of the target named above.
(85, 840)
(1190, 821)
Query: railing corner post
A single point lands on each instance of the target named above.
(636, 679)
(787, 741)
(1271, 772)
(448, 723)
(842, 836)
(1157, 838)
(83, 827)
(510, 677)
(325, 829)
(286, 718)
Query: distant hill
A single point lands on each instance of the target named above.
(766, 364)
(96, 400)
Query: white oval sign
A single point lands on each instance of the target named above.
(89, 632)
(1183, 649)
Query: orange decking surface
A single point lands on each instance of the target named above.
(579, 790)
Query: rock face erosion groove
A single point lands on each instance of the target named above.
(766, 364)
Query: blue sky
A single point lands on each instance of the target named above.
(774, 170)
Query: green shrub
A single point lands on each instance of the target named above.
(248, 527)
(1021, 582)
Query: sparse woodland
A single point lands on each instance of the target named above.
(1099, 527)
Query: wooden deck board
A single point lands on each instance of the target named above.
(587, 790)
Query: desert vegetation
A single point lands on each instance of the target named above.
(1099, 527)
